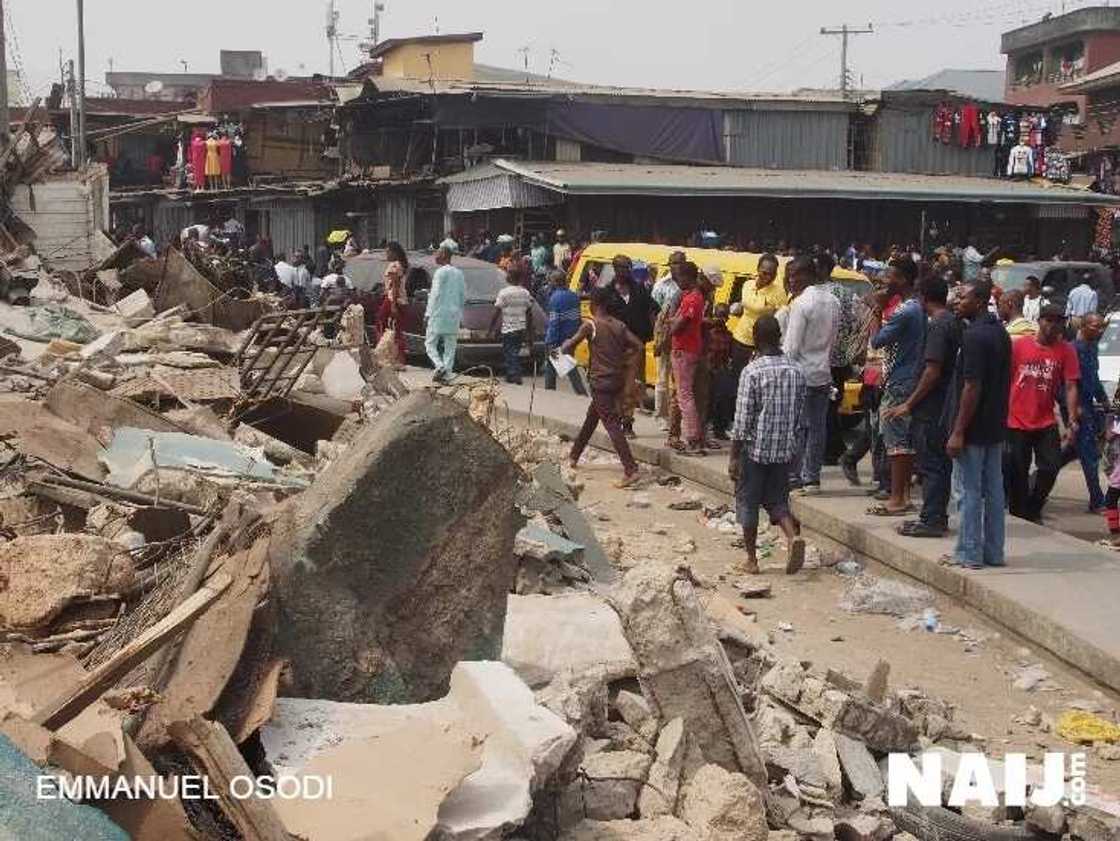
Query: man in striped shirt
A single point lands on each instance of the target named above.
(769, 410)
(563, 323)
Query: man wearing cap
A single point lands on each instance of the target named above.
(666, 293)
(1042, 366)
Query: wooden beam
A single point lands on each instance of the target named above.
(70, 703)
(212, 748)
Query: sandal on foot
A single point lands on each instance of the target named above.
(627, 481)
(884, 511)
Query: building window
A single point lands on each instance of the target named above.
(1067, 62)
(1027, 69)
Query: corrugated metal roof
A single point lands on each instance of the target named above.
(681, 180)
(986, 85)
(1107, 76)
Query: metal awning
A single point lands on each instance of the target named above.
(602, 179)
(487, 187)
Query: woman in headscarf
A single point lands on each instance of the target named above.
(395, 298)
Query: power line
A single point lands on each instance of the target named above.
(844, 32)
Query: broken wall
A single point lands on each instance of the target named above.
(66, 211)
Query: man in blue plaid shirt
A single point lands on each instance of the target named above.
(768, 411)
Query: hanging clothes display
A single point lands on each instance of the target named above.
(1102, 236)
(225, 160)
(969, 126)
(198, 160)
(993, 123)
(213, 162)
(1057, 166)
(1020, 161)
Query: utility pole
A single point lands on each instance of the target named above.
(332, 32)
(5, 117)
(375, 24)
(81, 84)
(72, 92)
(844, 31)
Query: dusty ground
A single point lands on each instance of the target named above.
(973, 670)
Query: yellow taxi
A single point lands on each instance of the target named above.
(594, 268)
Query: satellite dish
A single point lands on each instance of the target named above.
(260, 74)
(280, 74)
(154, 86)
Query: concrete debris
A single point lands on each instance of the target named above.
(1030, 678)
(636, 712)
(545, 545)
(664, 828)
(861, 772)
(863, 827)
(387, 620)
(724, 806)
(608, 784)
(812, 824)
(870, 594)
(659, 795)
(683, 669)
(465, 766)
(1048, 819)
(573, 633)
(136, 308)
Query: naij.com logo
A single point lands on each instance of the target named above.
(1012, 781)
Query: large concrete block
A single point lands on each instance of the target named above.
(395, 564)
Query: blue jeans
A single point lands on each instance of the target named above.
(807, 464)
(511, 352)
(936, 471)
(980, 541)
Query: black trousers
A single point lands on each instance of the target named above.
(1026, 495)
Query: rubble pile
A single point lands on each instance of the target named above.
(251, 551)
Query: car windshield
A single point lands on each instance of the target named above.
(1110, 340)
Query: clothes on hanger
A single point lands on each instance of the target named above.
(1020, 161)
(969, 129)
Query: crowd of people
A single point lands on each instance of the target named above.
(968, 393)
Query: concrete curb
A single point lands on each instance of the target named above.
(967, 587)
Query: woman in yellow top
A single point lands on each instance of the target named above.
(761, 296)
(213, 163)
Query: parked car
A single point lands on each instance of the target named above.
(477, 345)
(1109, 350)
(1058, 278)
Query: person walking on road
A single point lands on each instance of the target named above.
(444, 314)
(814, 322)
(563, 322)
(686, 330)
(768, 407)
(926, 405)
(1042, 367)
(610, 342)
(976, 417)
(1094, 406)
(902, 337)
(513, 317)
(666, 293)
(632, 305)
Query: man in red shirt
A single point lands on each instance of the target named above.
(687, 345)
(1042, 367)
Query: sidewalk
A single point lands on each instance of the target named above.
(1057, 591)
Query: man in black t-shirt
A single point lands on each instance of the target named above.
(927, 405)
(978, 412)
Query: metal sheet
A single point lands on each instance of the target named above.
(498, 191)
(289, 224)
(169, 219)
(903, 142)
(787, 139)
(396, 218)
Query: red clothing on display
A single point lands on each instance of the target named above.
(691, 309)
(198, 160)
(225, 153)
(1038, 375)
(970, 126)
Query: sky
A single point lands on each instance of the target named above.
(701, 45)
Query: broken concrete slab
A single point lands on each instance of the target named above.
(545, 545)
(574, 632)
(665, 828)
(883, 730)
(859, 767)
(635, 711)
(45, 573)
(724, 806)
(683, 669)
(863, 827)
(609, 783)
(388, 619)
(467, 764)
(136, 308)
(104, 346)
(35, 432)
(195, 385)
(552, 496)
(801, 763)
(824, 747)
(659, 795)
(96, 411)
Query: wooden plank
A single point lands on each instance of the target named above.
(70, 703)
(211, 746)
